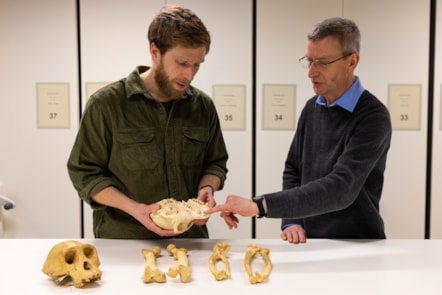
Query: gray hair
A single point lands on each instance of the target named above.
(345, 30)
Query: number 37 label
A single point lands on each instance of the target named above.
(53, 105)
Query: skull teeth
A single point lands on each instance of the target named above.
(179, 215)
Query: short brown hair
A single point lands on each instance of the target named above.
(175, 25)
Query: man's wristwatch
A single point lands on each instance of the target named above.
(259, 202)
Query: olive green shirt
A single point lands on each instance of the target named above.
(127, 140)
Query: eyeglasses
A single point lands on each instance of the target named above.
(307, 63)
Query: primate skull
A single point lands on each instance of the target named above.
(75, 260)
(179, 215)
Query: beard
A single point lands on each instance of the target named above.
(165, 85)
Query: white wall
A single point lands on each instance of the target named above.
(395, 51)
(33, 161)
(39, 45)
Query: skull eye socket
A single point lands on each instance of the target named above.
(69, 256)
(88, 252)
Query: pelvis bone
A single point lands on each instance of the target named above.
(251, 254)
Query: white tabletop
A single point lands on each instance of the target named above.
(317, 267)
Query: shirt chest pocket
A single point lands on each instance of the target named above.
(138, 149)
(194, 146)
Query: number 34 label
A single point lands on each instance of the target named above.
(279, 107)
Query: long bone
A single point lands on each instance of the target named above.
(182, 267)
(151, 271)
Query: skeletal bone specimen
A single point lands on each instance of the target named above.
(252, 251)
(74, 260)
(182, 267)
(179, 215)
(220, 254)
(151, 271)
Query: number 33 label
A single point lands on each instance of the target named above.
(404, 104)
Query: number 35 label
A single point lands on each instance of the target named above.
(230, 105)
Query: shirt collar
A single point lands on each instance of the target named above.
(348, 100)
(135, 85)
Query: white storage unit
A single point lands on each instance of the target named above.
(436, 192)
(395, 51)
(38, 45)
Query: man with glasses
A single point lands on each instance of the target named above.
(334, 171)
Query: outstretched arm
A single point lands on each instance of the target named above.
(235, 205)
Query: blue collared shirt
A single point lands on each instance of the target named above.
(348, 100)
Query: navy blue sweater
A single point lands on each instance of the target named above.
(334, 172)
